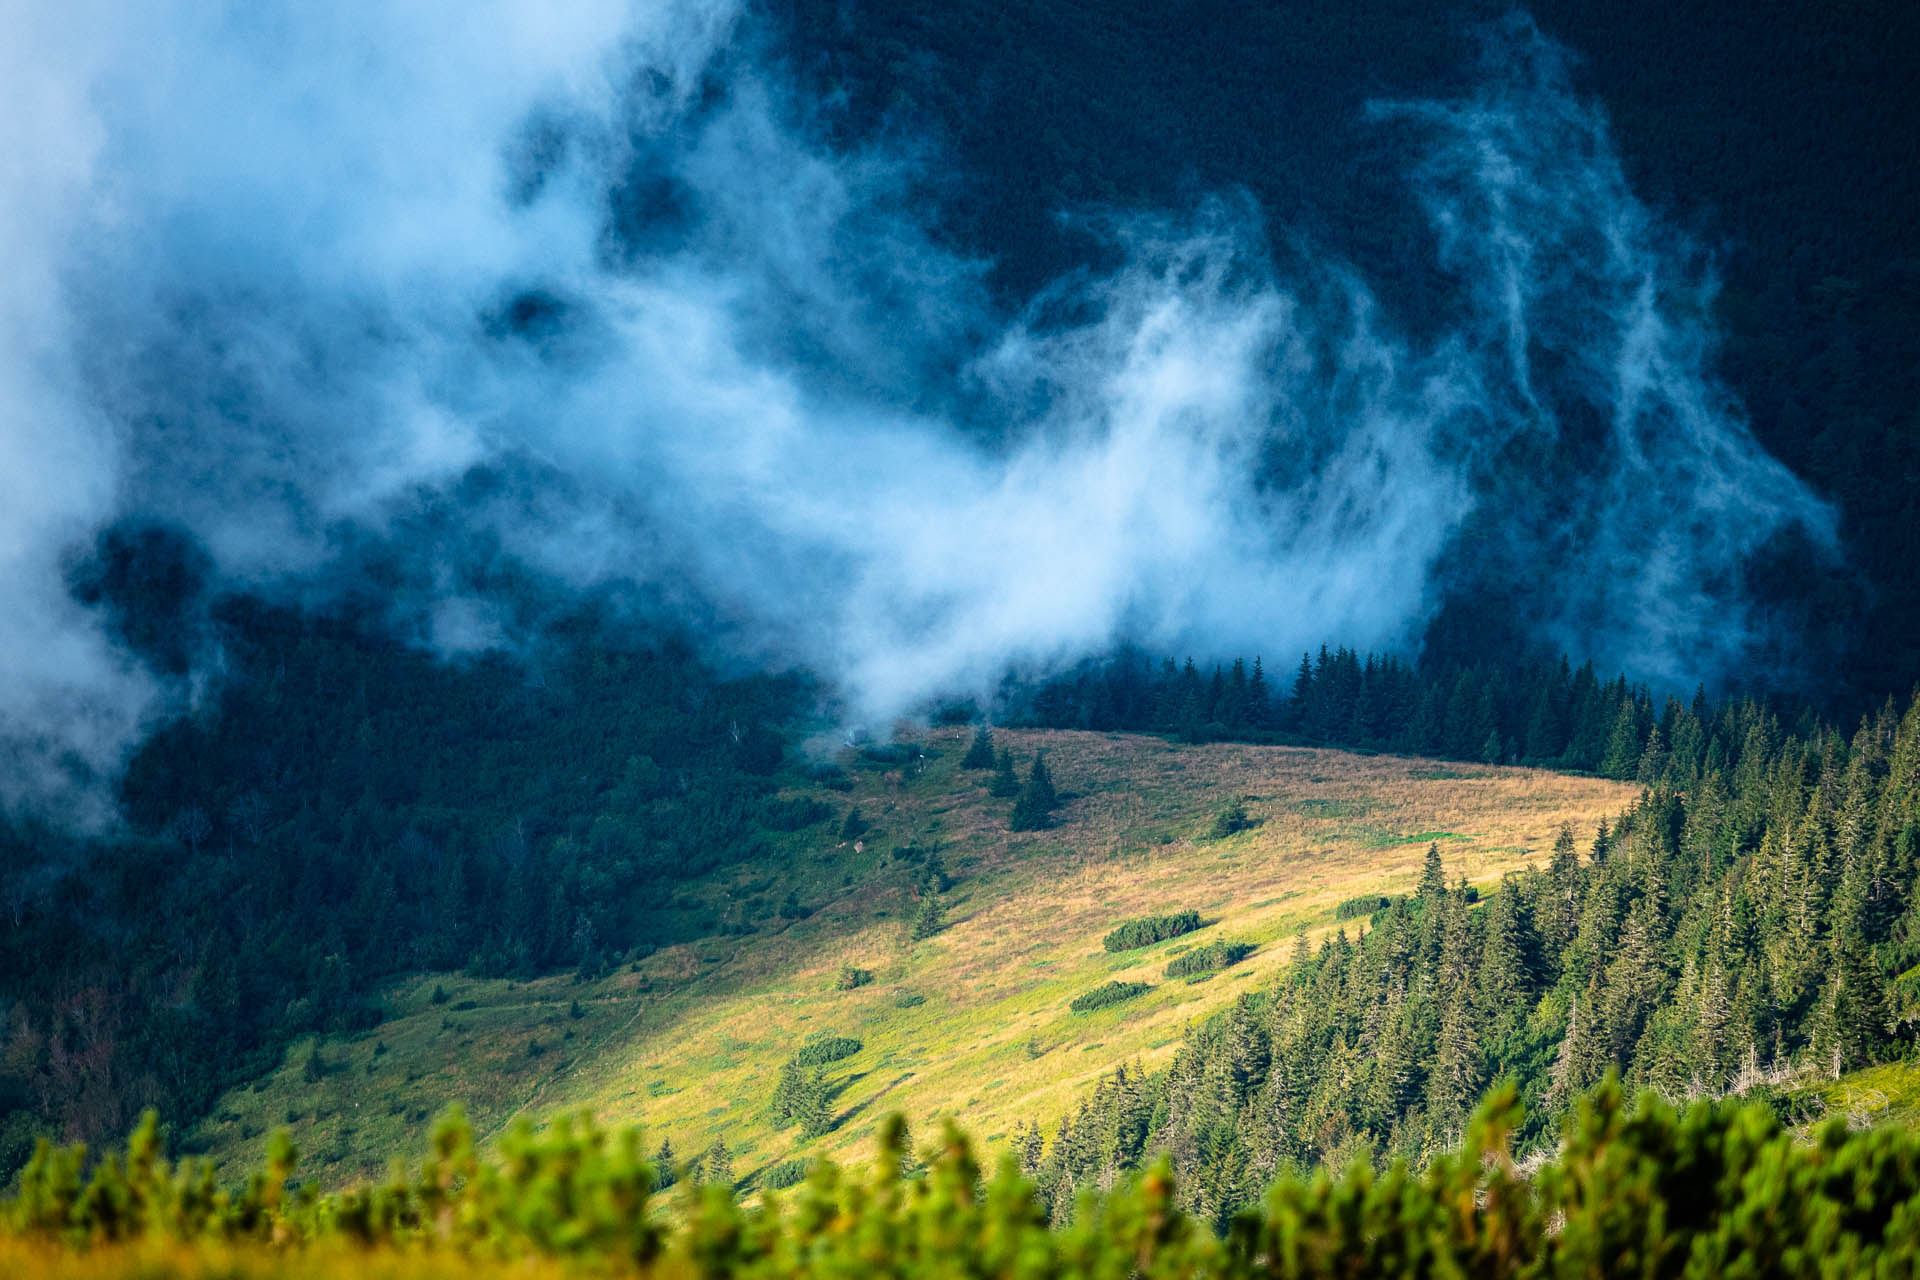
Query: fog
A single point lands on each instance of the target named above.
(581, 294)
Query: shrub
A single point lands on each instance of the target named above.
(1636, 1189)
(1364, 905)
(831, 1049)
(1209, 959)
(793, 815)
(439, 995)
(1147, 930)
(1108, 993)
(830, 776)
(850, 977)
(788, 1173)
(1229, 821)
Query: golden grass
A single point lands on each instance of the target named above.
(689, 1044)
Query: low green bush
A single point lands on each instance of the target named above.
(1364, 905)
(793, 815)
(1148, 930)
(788, 1173)
(831, 1049)
(1108, 993)
(1631, 1189)
(1209, 959)
(1229, 821)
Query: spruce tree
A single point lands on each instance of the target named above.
(717, 1166)
(930, 919)
(1031, 1145)
(1040, 780)
(814, 1110)
(1433, 877)
(787, 1095)
(1004, 782)
(980, 753)
(1033, 810)
(1301, 700)
(1259, 698)
(1622, 758)
(1653, 760)
(1543, 737)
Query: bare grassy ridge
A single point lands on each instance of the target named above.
(690, 1041)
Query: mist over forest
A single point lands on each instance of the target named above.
(905, 370)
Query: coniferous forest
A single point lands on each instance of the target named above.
(1745, 924)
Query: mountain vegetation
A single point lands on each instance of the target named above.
(1633, 1190)
(1747, 927)
(974, 1021)
(348, 809)
(1345, 967)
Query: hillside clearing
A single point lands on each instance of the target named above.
(974, 1021)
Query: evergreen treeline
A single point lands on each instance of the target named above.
(1546, 714)
(1749, 923)
(1643, 1191)
(350, 808)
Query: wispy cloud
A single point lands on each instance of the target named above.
(579, 290)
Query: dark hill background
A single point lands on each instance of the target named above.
(1781, 137)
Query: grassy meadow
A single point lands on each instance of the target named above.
(974, 1021)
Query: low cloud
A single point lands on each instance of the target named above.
(584, 294)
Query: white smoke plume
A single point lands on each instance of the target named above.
(578, 289)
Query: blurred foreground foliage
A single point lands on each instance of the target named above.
(1639, 1189)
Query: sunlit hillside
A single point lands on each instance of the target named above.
(973, 1021)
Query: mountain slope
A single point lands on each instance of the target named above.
(973, 1021)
